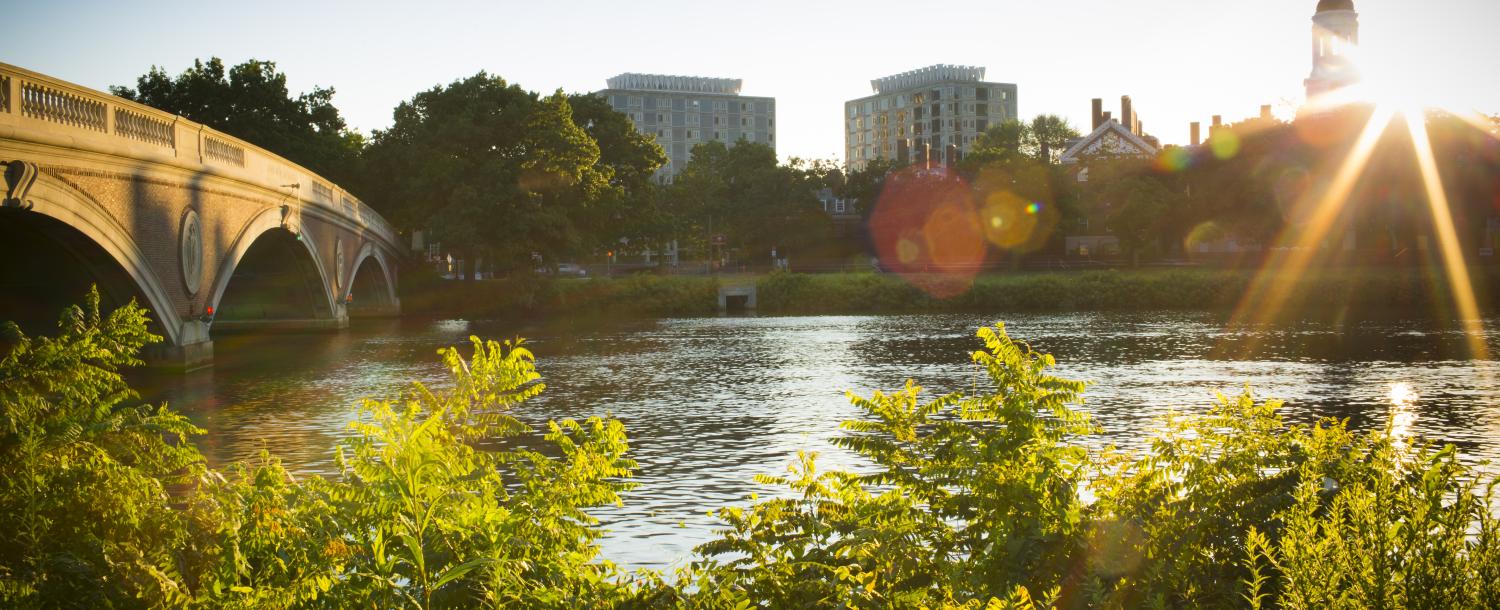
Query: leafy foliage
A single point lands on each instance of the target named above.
(973, 497)
(438, 503)
(742, 192)
(251, 101)
(986, 499)
(497, 172)
(976, 502)
(84, 468)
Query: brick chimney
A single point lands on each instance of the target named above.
(1098, 112)
(1197, 130)
(1265, 112)
(1127, 113)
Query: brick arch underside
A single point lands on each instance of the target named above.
(66, 240)
(372, 285)
(272, 273)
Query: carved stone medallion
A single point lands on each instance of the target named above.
(192, 252)
(338, 262)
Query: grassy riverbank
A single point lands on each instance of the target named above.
(856, 293)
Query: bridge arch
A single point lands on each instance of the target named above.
(60, 202)
(174, 214)
(262, 232)
(371, 289)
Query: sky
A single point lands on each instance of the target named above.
(1179, 60)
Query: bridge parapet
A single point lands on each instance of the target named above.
(169, 209)
(38, 108)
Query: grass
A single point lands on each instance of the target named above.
(1326, 291)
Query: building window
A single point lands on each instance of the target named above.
(692, 135)
(771, 122)
(633, 102)
(745, 121)
(718, 135)
(744, 107)
(838, 206)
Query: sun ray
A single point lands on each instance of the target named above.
(1277, 278)
(1459, 282)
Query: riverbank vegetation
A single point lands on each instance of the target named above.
(991, 497)
(1328, 291)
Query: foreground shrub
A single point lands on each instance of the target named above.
(432, 507)
(986, 499)
(84, 469)
(978, 500)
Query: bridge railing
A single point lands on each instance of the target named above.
(43, 110)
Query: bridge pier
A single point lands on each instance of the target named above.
(194, 350)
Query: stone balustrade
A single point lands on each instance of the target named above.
(43, 110)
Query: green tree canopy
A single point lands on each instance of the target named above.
(493, 171)
(630, 159)
(742, 192)
(251, 101)
(1049, 134)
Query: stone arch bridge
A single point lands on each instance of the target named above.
(207, 231)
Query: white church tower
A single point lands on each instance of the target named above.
(1335, 35)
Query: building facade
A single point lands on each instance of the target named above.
(931, 115)
(684, 111)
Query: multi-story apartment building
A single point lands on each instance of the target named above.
(930, 114)
(684, 111)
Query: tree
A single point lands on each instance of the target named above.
(631, 159)
(1049, 134)
(1139, 207)
(744, 194)
(250, 101)
(490, 170)
(865, 184)
(1008, 137)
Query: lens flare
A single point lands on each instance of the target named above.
(1174, 160)
(1459, 284)
(926, 229)
(1225, 144)
(1009, 220)
(1274, 283)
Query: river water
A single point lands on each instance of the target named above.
(710, 402)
